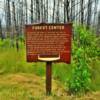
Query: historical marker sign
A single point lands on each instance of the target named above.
(48, 40)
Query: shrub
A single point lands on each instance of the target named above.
(80, 80)
(86, 48)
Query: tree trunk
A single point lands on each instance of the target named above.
(72, 10)
(1, 35)
(37, 10)
(82, 12)
(67, 10)
(26, 14)
(53, 11)
(89, 13)
(47, 10)
(31, 11)
(8, 21)
(15, 27)
(57, 13)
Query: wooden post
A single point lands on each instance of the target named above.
(48, 77)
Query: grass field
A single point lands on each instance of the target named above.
(20, 80)
(12, 61)
(22, 86)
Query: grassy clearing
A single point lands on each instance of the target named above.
(12, 61)
(23, 86)
(21, 80)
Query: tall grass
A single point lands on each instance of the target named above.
(12, 61)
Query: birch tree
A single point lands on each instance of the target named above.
(89, 12)
(82, 11)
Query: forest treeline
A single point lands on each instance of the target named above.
(17, 13)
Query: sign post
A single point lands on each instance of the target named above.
(48, 43)
(48, 71)
(48, 77)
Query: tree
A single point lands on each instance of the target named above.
(15, 30)
(53, 11)
(57, 12)
(47, 10)
(26, 13)
(72, 10)
(31, 11)
(95, 13)
(82, 11)
(67, 9)
(38, 10)
(64, 11)
(1, 35)
(89, 12)
(98, 25)
(21, 17)
(8, 16)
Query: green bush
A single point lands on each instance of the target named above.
(86, 48)
(88, 40)
(80, 80)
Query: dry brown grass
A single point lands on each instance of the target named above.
(32, 87)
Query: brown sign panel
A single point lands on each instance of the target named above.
(48, 40)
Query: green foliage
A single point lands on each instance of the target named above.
(80, 80)
(39, 68)
(21, 38)
(88, 41)
(61, 71)
(12, 61)
(5, 43)
(86, 48)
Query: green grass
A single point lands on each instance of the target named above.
(95, 70)
(24, 86)
(61, 71)
(12, 61)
